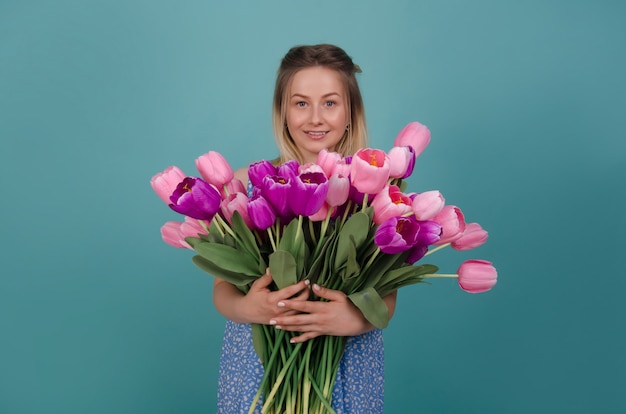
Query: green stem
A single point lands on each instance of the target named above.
(281, 375)
(440, 275)
(436, 249)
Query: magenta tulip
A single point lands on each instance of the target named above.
(196, 198)
(338, 190)
(390, 202)
(472, 237)
(165, 182)
(214, 169)
(307, 193)
(370, 170)
(401, 161)
(427, 205)
(476, 276)
(288, 169)
(452, 223)
(414, 135)
(275, 189)
(261, 212)
(397, 234)
(258, 170)
(236, 202)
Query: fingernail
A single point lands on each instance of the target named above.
(316, 286)
(281, 304)
(292, 341)
(307, 282)
(272, 322)
(278, 327)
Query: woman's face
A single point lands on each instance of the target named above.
(317, 112)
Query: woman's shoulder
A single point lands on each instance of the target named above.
(242, 174)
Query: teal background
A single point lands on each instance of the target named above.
(525, 102)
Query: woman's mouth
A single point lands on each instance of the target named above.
(316, 134)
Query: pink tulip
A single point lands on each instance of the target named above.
(192, 228)
(401, 162)
(428, 204)
(311, 167)
(476, 276)
(452, 224)
(338, 190)
(328, 160)
(414, 135)
(233, 186)
(472, 237)
(165, 182)
(320, 214)
(236, 202)
(170, 233)
(390, 202)
(370, 170)
(214, 169)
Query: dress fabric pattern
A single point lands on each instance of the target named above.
(358, 384)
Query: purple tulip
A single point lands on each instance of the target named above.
(430, 232)
(397, 234)
(258, 170)
(196, 198)
(275, 189)
(260, 212)
(417, 252)
(401, 161)
(308, 193)
(289, 169)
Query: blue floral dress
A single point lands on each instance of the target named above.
(358, 385)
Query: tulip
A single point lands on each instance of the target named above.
(338, 190)
(275, 189)
(258, 170)
(430, 232)
(414, 135)
(191, 228)
(170, 233)
(308, 193)
(165, 182)
(370, 170)
(427, 205)
(233, 186)
(476, 276)
(236, 202)
(261, 213)
(452, 222)
(390, 202)
(196, 198)
(397, 234)
(472, 237)
(320, 214)
(401, 161)
(214, 169)
(416, 252)
(328, 161)
(310, 167)
(288, 169)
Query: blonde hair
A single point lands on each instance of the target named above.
(327, 56)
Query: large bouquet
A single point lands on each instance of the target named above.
(344, 223)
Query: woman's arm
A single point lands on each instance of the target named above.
(338, 316)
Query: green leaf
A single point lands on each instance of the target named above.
(283, 268)
(355, 230)
(352, 265)
(237, 279)
(228, 258)
(403, 276)
(192, 241)
(372, 306)
(215, 233)
(258, 340)
(245, 235)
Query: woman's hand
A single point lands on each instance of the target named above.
(338, 316)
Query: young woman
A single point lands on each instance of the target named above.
(317, 105)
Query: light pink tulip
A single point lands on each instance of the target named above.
(390, 202)
(414, 135)
(170, 233)
(400, 159)
(165, 182)
(236, 202)
(452, 224)
(328, 160)
(338, 190)
(476, 276)
(234, 186)
(472, 237)
(370, 170)
(191, 227)
(428, 204)
(320, 214)
(214, 168)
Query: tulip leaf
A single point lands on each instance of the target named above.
(238, 279)
(356, 227)
(228, 258)
(192, 241)
(352, 265)
(283, 268)
(215, 233)
(245, 235)
(258, 339)
(403, 276)
(372, 305)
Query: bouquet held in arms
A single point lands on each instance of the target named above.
(345, 223)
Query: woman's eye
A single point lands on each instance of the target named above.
(301, 104)
(330, 103)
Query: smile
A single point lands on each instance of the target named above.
(316, 134)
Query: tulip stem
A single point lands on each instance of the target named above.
(271, 236)
(365, 200)
(436, 249)
(440, 275)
